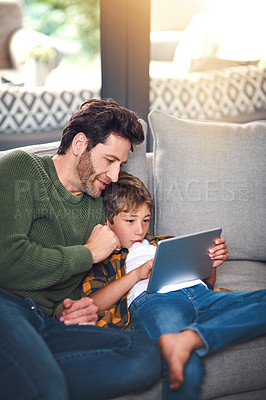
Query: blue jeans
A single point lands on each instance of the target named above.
(41, 358)
(219, 318)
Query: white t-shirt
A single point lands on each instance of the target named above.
(140, 253)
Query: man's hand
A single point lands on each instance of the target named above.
(102, 242)
(79, 312)
(218, 253)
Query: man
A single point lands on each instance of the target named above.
(52, 231)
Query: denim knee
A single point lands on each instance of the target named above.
(28, 369)
(147, 368)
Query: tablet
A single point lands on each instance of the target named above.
(181, 259)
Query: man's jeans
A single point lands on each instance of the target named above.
(41, 358)
(219, 318)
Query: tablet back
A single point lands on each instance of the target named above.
(182, 258)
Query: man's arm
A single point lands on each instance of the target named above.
(35, 252)
(101, 243)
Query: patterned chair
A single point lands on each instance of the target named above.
(29, 115)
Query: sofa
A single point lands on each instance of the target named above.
(37, 115)
(203, 175)
(232, 93)
(207, 72)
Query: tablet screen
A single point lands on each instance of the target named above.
(182, 259)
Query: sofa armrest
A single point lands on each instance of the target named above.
(149, 159)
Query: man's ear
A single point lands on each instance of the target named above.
(107, 222)
(79, 143)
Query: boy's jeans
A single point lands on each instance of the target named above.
(41, 358)
(219, 318)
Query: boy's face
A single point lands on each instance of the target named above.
(131, 227)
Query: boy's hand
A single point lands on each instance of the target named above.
(79, 312)
(144, 271)
(102, 242)
(218, 253)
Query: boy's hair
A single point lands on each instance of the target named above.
(125, 195)
(97, 119)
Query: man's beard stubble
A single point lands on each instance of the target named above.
(87, 175)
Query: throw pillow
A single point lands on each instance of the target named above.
(209, 63)
(211, 174)
(198, 40)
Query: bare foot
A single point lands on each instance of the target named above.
(176, 349)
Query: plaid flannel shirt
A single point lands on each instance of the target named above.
(105, 272)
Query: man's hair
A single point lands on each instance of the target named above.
(125, 195)
(97, 119)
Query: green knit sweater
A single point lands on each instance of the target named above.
(42, 230)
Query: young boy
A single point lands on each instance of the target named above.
(189, 320)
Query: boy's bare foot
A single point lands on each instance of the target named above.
(176, 349)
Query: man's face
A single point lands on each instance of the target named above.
(131, 227)
(101, 165)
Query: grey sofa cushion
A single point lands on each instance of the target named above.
(137, 163)
(236, 372)
(209, 174)
(242, 275)
(39, 149)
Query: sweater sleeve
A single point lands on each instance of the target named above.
(27, 265)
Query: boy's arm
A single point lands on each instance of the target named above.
(212, 278)
(110, 293)
(218, 254)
